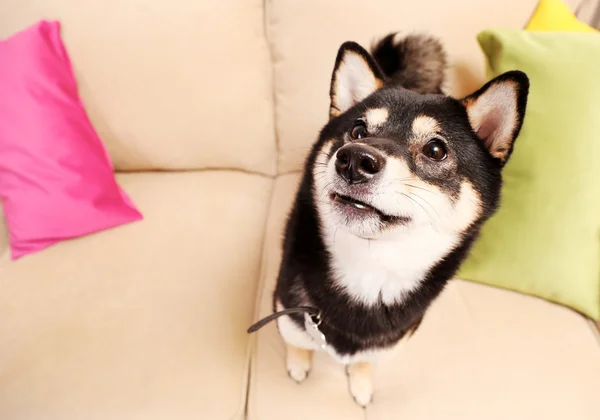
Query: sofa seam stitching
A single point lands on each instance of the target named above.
(257, 301)
(267, 35)
(242, 406)
(195, 170)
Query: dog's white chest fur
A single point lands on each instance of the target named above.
(384, 270)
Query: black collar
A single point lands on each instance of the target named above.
(314, 313)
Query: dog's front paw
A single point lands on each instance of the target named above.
(298, 373)
(360, 384)
(298, 363)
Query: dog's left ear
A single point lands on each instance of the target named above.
(496, 112)
(355, 76)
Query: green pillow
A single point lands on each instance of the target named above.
(545, 238)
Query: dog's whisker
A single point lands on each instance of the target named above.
(399, 180)
(423, 189)
(428, 203)
(417, 203)
(433, 222)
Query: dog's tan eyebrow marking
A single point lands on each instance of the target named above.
(376, 117)
(424, 126)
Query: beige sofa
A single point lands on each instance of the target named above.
(208, 108)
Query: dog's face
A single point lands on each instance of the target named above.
(390, 160)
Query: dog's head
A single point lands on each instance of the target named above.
(390, 159)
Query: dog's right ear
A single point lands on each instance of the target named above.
(355, 76)
(496, 112)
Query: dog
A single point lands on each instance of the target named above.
(394, 193)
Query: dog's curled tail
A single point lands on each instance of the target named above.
(416, 62)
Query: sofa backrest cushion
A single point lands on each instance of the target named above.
(306, 34)
(168, 85)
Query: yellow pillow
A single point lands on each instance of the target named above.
(554, 15)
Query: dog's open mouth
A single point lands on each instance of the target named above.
(349, 201)
(365, 208)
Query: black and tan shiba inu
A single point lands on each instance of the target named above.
(394, 193)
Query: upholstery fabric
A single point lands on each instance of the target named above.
(480, 353)
(143, 322)
(177, 85)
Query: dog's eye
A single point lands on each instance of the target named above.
(359, 130)
(435, 150)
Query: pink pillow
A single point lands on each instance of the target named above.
(56, 178)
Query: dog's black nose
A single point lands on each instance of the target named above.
(357, 163)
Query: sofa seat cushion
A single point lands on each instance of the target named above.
(145, 321)
(480, 353)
